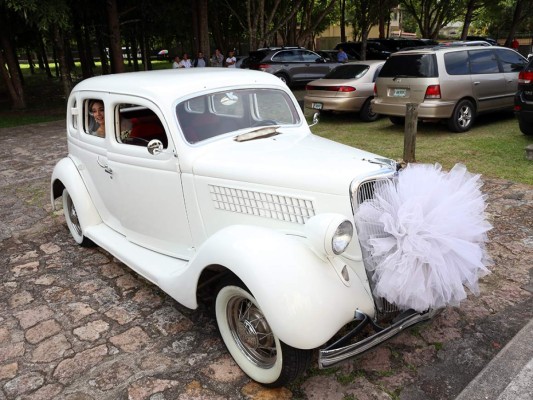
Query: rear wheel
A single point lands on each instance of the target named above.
(73, 222)
(284, 78)
(251, 342)
(463, 116)
(397, 120)
(366, 114)
(527, 129)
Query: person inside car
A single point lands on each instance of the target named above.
(96, 108)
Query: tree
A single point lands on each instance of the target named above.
(9, 63)
(366, 15)
(432, 15)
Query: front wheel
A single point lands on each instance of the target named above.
(73, 222)
(251, 342)
(397, 120)
(462, 117)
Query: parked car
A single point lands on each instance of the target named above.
(524, 99)
(489, 40)
(242, 62)
(209, 181)
(396, 44)
(374, 50)
(451, 83)
(348, 87)
(290, 64)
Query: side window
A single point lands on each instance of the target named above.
(510, 60)
(457, 63)
(309, 56)
(138, 125)
(483, 62)
(94, 117)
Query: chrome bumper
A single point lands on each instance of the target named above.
(339, 352)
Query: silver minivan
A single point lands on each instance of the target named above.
(449, 83)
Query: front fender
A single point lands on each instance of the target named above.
(302, 296)
(66, 175)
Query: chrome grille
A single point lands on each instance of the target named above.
(365, 191)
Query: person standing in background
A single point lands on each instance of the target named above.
(186, 62)
(176, 63)
(218, 59)
(231, 60)
(342, 57)
(200, 61)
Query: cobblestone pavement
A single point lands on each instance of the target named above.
(77, 324)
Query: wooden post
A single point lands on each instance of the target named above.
(409, 140)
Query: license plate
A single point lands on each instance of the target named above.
(317, 106)
(399, 92)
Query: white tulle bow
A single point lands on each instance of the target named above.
(425, 232)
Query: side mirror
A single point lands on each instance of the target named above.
(155, 147)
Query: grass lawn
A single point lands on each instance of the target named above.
(494, 147)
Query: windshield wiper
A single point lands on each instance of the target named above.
(400, 76)
(259, 133)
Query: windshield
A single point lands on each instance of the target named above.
(354, 71)
(215, 114)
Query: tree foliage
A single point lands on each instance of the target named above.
(432, 15)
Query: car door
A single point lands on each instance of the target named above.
(511, 64)
(147, 187)
(89, 152)
(488, 82)
(315, 67)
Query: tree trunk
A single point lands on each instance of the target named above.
(203, 27)
(46, 63)
(10, 73)
(115, 47)
(516, 20)
(343, 21)
(103, 53)
(470, 8)
(64, 65)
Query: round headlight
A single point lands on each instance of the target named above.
(330, 234)
(342, 237)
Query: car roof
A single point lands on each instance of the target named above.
(171, 84)
(433, 49)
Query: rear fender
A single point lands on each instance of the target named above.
(66, 176)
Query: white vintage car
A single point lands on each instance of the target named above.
(212, 178)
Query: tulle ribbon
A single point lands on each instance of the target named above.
(425, 233)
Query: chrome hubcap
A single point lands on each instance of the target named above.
(73, 215)
(465, 116)
(251, 332)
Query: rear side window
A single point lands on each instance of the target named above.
(457, 63)
(510, 60)
(410, 66)
(483, 62)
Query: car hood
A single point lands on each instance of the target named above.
(308, 162)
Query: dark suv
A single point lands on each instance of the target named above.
(290, 64)
(524, 99)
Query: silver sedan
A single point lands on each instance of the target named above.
(348, 87)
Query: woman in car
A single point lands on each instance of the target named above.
(96, 108)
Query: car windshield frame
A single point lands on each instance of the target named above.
(234, 111)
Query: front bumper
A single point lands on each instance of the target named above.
(340, 351)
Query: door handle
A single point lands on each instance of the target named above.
(104, 166)
(477, 83)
